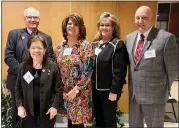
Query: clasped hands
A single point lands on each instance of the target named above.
(22, 112)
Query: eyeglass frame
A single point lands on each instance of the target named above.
(34, 17)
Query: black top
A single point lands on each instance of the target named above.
(111, 66)
(36, 91)
(51, 91)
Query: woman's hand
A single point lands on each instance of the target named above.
(65, 96)
(21, 112)
(52, 111)
(71, 95)
(112, 96)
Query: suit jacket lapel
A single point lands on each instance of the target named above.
(150, 38)
(24, 38)
(146, 46)
(45, 71)
(132, 48)
(40, 33)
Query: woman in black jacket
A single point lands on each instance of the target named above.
(110, 70)
(38, 88)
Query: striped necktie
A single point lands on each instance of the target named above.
(139, 48)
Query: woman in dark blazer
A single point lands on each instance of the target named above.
(38, 88)
(110, 70)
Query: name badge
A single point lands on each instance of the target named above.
(97, 51)
(28, 77)
(67, 51)
(150, 54)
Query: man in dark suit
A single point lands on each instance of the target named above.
(16, 51)
(153, 56)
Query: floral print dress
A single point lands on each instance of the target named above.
(77, 69)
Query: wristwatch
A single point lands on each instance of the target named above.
(77, 91)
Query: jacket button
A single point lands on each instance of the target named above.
(41, 91)
(42, 83)
(42, 100)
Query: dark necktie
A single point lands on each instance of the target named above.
(32, 34)
(139, 48)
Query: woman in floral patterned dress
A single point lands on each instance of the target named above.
(75, 58)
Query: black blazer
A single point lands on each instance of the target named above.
(51, 93)
(16, 52)
(111, 66)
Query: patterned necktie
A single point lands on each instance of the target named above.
(32, 34)
(139, 48)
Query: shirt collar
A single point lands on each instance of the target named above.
(30, 31)
(146, 33)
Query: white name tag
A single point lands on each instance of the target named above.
(67, 51)
(28, 77)
(149, 54)
(97, 51)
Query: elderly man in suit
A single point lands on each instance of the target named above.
(153, 56)
(16, 51)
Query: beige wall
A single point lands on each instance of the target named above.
(52, 14)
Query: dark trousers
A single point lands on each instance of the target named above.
(15, 117)
(104, 110)
(38, 122)
(70, 125)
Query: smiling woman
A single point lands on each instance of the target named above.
(75, 58)
(52, 14)
(38, 88)
(110, 70)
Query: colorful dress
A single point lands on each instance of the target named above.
(77, 69)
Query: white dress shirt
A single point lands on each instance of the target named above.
(138, 38)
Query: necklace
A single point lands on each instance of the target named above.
(36, 75)
(36, 67)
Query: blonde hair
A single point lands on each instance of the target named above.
(114, 21)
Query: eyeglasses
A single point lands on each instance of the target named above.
(32, 17)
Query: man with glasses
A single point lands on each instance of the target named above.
(16, 51)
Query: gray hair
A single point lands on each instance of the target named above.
(31, 11)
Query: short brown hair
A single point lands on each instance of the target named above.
(114, 21)
(78, 20)
(35, 39)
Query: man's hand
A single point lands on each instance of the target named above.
(52, 111)
(21, 112)
(112, 96)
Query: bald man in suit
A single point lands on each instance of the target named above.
(153, 56)
(16, 51)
